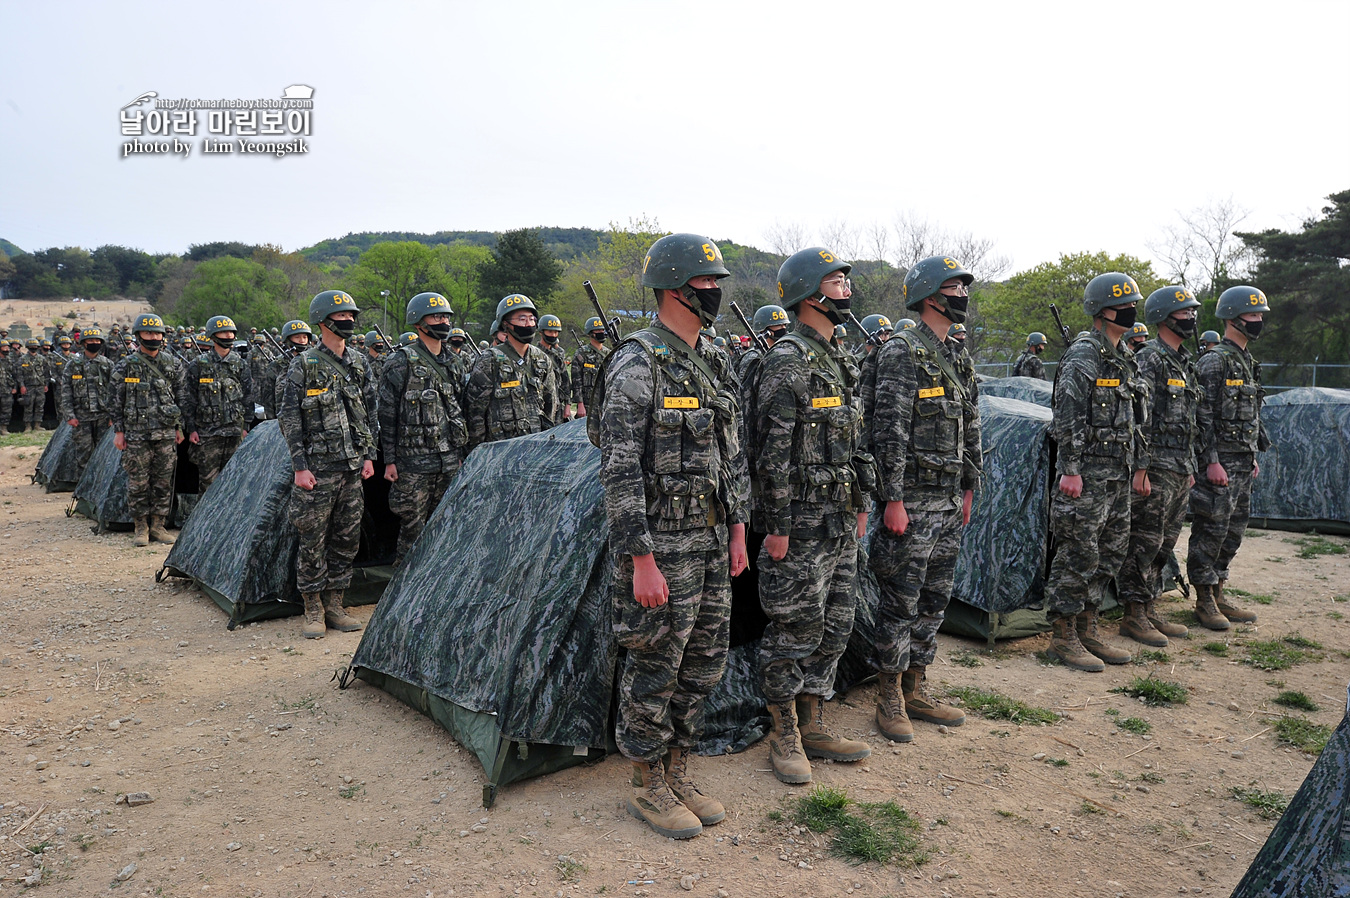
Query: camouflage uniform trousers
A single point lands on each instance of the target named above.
(1093, 535)
(150, 466)
(677, 652)
(329, 520)
(1218, 521)
(84, 439)
(809, 597)
(1155, 524)
(210, 456)
(413, 497)
(914, 574)
(31, 405)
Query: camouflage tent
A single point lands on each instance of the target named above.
(1306, 854)
(57, 466)
(101, 493)
(1027, 389)
(239, 545)
(1305, 475)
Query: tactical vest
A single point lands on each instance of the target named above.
(937, 432)
(829, 426)
(1110, 419)
(333, 408)
(218, 386)
(149, 403)
(1019, 369)
(429, 418)
(516, 406)
(586, 365)
(1175, 398)
(31, 371)
(1237, 417)
(89, 381)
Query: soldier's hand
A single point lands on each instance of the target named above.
(1256, 469)
(120, 441)
(23, 390)
(367, 469)
(776, 546)
(862, 524)
(649, 584)
(195, 439)
(305, 480)
(74, 422)
(740, 559)
(967, 503)
(391, 473)
(1071, 485)
(177, 437)
(1216, 475)
(896, 518)
(1141, 484)
(581, 409)
(1190, 481)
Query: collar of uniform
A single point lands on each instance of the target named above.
(1098, 336)
(943, 343)
(1180, 352)
(1245, 352)
(659, 325)
(810, 333)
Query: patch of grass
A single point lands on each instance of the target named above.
(1088, 807)
(32, 438)
(1002, 734)
(1259, 598)
(1269, 804)
(1111, 712)
(352, 791)
(1219, 649)
(1281, 654)
(1299, 701)
(996, 706)
(1303, 734)
(569, 868)
(1049, 659)
(1335, 615)
(1154, 692)
(1185, 616)
(966, 659)
(1152, 656)
(1314, 545)
(881, 832)
(1302, 642)
(1343, 597)
(1057, 762)
(302, 704)
(1137, 725)
(1148, 776)
(1003, 813)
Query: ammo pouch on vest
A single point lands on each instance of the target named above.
(221, 399)
(150, 403)
(425, 426)
(1109, 418)
(515, 407)
(682, 502)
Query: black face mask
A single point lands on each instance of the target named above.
(1251, 328)
(835, 309)
(222, 342)
(709, 303)
(1124, 316)
(295, 348)
(1182, 327)
(437, 331)
(550, 340)
(522, 332)
(954, 308)
(344, 328)
(599, 337)
(152, 345)
(458, 344)
(93, 348)
(776, 333)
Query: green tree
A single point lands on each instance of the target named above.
(249, 292)
(456, 278)
(1306, 275)
(388, 275)
(520, 263)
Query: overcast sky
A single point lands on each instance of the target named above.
(1046, 127)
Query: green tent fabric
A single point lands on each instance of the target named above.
(1307, 854)
(57, 468)
(239, 545)
(1305, 475)
(1027, 389)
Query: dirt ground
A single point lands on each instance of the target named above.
(40, 313)
(267, 780)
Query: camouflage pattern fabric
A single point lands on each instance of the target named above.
(213, 395)
(1025, 389)
(413, 497)
(210, 456)
(1092, 532)
(31, 374)
(562, 379)
(586, 364)
(8, 386)
(422, 426)
(1094, 404)
(144, 402)
(150, 466)
(1155, 525)
(1170, 377)
(509, 395)
(1219, 516)
(914, 576)
(323, 414)
(1305, 474)
(267, 389)
(1029, 364)
(85, 388)
(328, 519)
(745, 360)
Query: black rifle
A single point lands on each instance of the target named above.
(611, 325)
(576, 336)
(275, 342)
(1063, 331)
(388, 345)
(873, 337)
(760, 343)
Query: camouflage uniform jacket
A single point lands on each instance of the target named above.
(267, 390)
(8, 383)
(260, 366)
(145, 396)
(670, 455)
(215, 393)
(56, 363)
(1095, 397)
(1029, 364)
(1175, 391)
(422, 427)
(923, 424)
(84, 391)
(1228, 419)
(585, 369)
(562, 378)
(31, 371)
(811, 471)
(509, 395)
(322, 412)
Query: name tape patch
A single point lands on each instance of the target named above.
(1235, 383)
(1173, 382)
(932, 392)
(1108, 381)
(131, 380)
(681, 402)
(317, 392)
(827, 402)
(509, 384)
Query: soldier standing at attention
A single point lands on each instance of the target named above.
(214, 398)
(771, 323)
(1099, 446)
(1208, 340)
(814, 482)
(1168, 371)
(550, 329)
(1029, 363)
(923, 421)
(586, 363)
(295, 338)
(458, 340)
(511, 388)
(1230, 435)
(31, 371)
(8, 387)
(322, 414)
(675, 493)
(422, 429)
(1137, 337)
(148, 425)
(83, 397)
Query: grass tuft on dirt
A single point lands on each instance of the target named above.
(1269, 804)
(1150, 691)
(1218, 649)
(863, 832)
(993, 705)
(32, 438)
(1282, 654)
(1315, 544)
(1303, 734)
(1299, 701)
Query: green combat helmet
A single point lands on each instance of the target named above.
(459, 334)
(720, 342)
(91, 332)
(373, 341)
(550, 323)
(1035, 338)
(296, 326)
(513, 303)
(840, 332)
(877, 324)
(769, 317)
(1107, 291)
(906, 323)
(1138, 335)
(328, 302)
(424, 304)
(152, 323)
(1165, 300)
(676, 259)
(1238, 301)
(957, 332)
(595, 327)
(1209, 339)
(800, 275)
(407, 338)
(927, 276)
(220, 324)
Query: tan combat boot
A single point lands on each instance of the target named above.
(142, 537)
(923, 706)
(1207, 609)
(654, 802)
(158, 532)
(1065, 646)
(314, 626)
(1227, 609)
(707, 810)
(892, 720)
(335, 616)
(817, 740)
(1136, 625)
(1090, 636)
(1165, 627)
(785, 746)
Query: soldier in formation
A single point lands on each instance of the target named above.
(31, 374)
(1137, 337)
(1029, 363)
(587, 362)
(770, 323)
(296, 337)
(214, 397)
(148, 423)
(1208, 340)
(511, 389)
(84, 393)
(550, 329)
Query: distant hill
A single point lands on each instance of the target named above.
(565, 243)
(8, 248)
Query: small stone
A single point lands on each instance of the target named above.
(1141, 788)
(85, 763)
(127, 872)
(479, 827)
(182, 644)
(31, 759)
(43, 765)
(1234, 706)
(233, 846)
(1039, 756)
(942, 728)
(136, 799)
(723, 893)
(114, 725)
(687, 882)
(1237, 754)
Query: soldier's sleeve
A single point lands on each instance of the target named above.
(624, 422)
(292, 385)
(782, 382)
(1070, 403)
(186, 390)
(1036, 367)
(972, 455)
(578, 376)
(892, 413)
(392, 383)
(477, 393)
(734, 480)
(1262, 438)
(548, 395)
(1209, 372)
(117, 389)
(246, 384)
(65, 394)
(1152, 378)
